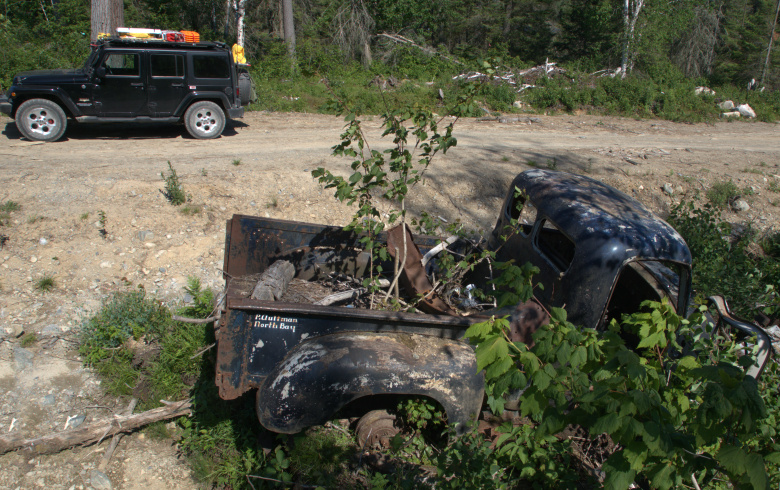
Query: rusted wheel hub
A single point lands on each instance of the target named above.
(375, 429)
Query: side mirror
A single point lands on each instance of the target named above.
(101, 72)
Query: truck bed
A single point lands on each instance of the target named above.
(254, 336)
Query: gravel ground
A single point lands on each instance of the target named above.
(261, 166)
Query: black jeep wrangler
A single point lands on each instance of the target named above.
(133, 81)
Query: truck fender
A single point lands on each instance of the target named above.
(320, 376)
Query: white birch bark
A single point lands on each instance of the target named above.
(240, 15)
(631, 11)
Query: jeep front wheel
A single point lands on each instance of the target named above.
(204, 120)
(41, 120)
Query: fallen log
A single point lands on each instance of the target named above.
(115, 440)
(274, 281)
(94, 432)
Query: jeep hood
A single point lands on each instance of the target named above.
(46, 77)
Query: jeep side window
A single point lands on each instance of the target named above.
(205, 66)
(167, 65)
(556, 246)
(122, 65)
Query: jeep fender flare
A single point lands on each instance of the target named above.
(319, 377)
(218, 98)
(40, 92)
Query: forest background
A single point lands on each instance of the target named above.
(666, 48)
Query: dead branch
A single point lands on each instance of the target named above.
(438, 248)
(94, 432)
(341, 296)
(115, 440)
(185, 319)
(203, 350)
(397, 38)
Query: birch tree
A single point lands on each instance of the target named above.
(240, 7)
(631, 11)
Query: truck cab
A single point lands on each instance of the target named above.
(600, 253)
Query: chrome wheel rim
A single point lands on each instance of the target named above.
(39, 121)
(205, 121)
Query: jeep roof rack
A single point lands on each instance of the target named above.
(129, 41)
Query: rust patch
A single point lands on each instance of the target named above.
(413, 278)
(525, 320)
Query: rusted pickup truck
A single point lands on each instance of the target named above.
(599, 251)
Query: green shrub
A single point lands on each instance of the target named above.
(174, 192)
(171, 360)
(28, 339)
(729, 268)
(661, 411)
(722, 193)
(9, 207)
(6, 209)
(123, 316)
(45, 283)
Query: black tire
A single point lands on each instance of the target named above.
(41, 120)
(204, 120)
(245, 88)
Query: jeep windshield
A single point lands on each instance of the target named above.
(89, 63)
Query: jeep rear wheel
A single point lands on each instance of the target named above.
(204, 120)
(41, 120)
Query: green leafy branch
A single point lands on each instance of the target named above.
(675, 410)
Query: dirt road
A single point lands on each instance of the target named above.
(262, 166)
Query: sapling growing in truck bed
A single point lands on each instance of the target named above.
(417, 139)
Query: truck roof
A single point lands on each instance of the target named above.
(596, 216)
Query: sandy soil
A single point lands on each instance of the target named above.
(62, 188)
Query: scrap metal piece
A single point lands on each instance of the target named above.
(413, 278)
(526, 319)
(745, 328)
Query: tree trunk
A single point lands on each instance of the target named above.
(769, 48)
(631, 10)
(510, 6)
(227, 19)
(107, 15)
(289, 26)
(240, 14)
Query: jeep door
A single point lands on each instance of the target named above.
(166, 82)
(122, 90)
